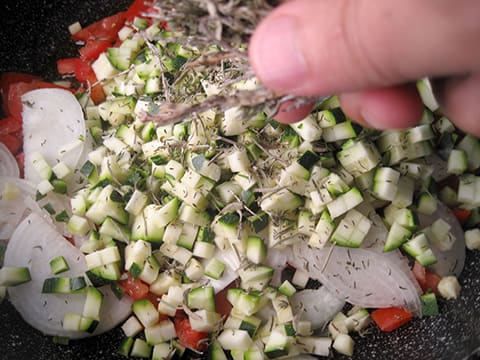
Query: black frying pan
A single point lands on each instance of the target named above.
(33, 34)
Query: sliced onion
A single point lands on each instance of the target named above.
(13, 209)
(8, 164)
(318, 306)
(449, 262)
(33, 244)
(54, 126)
(360, 277)
(277, 259)
(375, 241)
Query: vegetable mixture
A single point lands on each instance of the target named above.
(151, 188)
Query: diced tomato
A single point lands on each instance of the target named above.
(136, 9)
(154, 299)
(21, 162)
(12, 142)
(187, 336)
(93, 48)
(389, 319)
(427, 279)
(420, 274)
(105, 29)
(222, 305)
(83, 71)
(135, 288)
(431, 281)
(67, 65)
(462, 215)
(10, 125)
(8, 78)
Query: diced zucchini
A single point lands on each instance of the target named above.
(201, 298)
(145, 312)
(59, 265)
(13, 276)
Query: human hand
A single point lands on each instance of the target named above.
(370, 52)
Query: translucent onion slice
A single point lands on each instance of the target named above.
(318, 306)
(360, 277)
(452, 261)
(33, 244)
(64, 136)
(375, 240)
(277, 259)
(8, 164)
(13, 205)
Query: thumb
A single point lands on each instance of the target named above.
(319, 47)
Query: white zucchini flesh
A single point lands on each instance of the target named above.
(449, 262)
(8, 164)
(33, 244)
(65, 130)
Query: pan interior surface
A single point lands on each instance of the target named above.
(33, 35)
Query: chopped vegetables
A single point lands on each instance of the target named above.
(389, 319)
(449, 287)
(206, 223)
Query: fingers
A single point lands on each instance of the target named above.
(384, 108)
(319, 47)
(287, 115)
(459, 99)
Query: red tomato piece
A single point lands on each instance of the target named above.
(83, 71)
(136, 9)
(105, 29)
(21, 162)
(67, 65)
(135, 288)
(420, 274)
(431, 281)
(10, 125)
(389, 319)
(8, 78)
(222, 305)
(93, 48)
(462, 215)
(427, 279)
(189, 337)
(85, 74)
(12, 142)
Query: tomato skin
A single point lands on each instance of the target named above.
(136, 9)
(93, 48)
(105, 29)
(389, 319)
(427, 279)
(189, 337)
(8, 78)
(20, 157)
(135, 288)
(67, 65)
(222, 305)
(10, 125)
(12, 142)
(462, 215)
(431, 282)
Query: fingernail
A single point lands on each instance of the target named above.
(276, 56)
